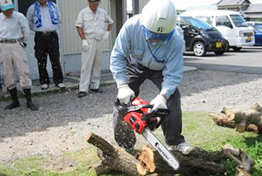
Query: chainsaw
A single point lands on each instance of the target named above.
(143, 120)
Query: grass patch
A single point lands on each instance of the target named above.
(198, 128)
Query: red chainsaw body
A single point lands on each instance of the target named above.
(137, 101)
(134, 118)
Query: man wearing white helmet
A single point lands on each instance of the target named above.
(148, 48)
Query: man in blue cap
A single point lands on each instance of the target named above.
(14, 32)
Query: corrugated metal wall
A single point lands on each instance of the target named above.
(69, 12)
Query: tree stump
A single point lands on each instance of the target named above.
(241, 120)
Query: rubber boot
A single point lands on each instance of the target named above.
(29, 103)
(15, 103)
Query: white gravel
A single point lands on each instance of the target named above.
(64, 121)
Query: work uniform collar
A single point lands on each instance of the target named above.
(46, 4)
(5, 17)
(90, 11)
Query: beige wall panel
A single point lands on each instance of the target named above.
(142, 3)
(69, 12)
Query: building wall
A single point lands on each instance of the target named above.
(69, 11)
(71, 41)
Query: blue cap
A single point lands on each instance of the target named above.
(6, 5)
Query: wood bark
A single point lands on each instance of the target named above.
(198, 162)
(112, 158)
(148, 161)
(241, 120)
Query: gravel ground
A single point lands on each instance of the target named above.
(64, 121)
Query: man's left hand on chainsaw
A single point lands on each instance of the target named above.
(125, 93)
(159, 102)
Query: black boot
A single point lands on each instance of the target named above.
(15, 103)
(29, 102)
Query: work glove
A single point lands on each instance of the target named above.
(85, 46)
(125, 94)
(106, 35)
(159, 102)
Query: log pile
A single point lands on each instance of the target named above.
(148, 161)
(241, 120)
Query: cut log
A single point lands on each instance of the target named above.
(197, 162)
(222, 120)
(148, 161)
(112, 158)
(247, 120)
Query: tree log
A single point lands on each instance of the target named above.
(112, 158)
(247, 120)
(198, 162)
(148, 161)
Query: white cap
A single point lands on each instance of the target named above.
(159, 16)
(6, 5)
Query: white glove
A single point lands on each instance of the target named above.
(85, 46)
(106, 35)
(125, 93)
(159, 102)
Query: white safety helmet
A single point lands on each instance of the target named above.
(159, 17)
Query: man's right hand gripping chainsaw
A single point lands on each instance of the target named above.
(143, 121)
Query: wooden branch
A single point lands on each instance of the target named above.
(247, 120)
(244, 161)
(112, 158)
(222, 120)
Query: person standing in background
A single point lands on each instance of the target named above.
(93, 26)
(44, 19)
(14, 32)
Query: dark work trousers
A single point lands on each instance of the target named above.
(48, 44)
(171, 126)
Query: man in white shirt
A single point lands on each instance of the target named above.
(14, 31)
(93, 26)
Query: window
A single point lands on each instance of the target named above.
(238, 21)
(223, 21)
(199, 24)
(205, 19)
(258, 27)
(182, 23)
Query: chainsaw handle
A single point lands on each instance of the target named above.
(124, 110)
(161, 113)
(139, 107)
